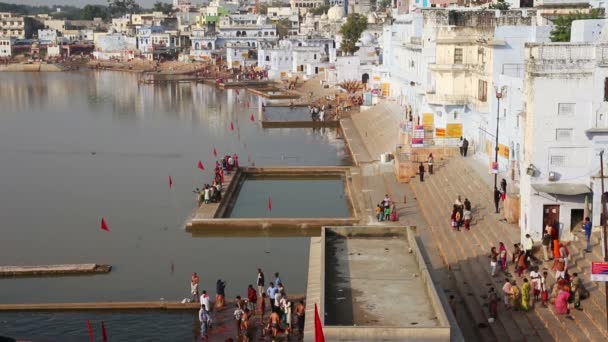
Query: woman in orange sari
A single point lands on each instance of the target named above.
(556, 247)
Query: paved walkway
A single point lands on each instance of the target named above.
(466, 255)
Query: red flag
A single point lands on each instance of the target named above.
(90, 331)
(269, 204)
(236, 91)
(104, 334)
(319, 337)
(104, 225)
(231, 126)
(252, 118)
(200, 164)
(170, 182)
(214, 152)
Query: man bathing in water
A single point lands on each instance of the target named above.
(274, 324)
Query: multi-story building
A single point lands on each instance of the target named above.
(16, 26)
(304, 5)
(566, 127)
(6, 47)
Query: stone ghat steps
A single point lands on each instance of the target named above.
(592, 305)
(469, 251)
(379, 128)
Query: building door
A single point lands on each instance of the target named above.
(364, 78)
(316, 70)
(551, 216)
(576, 219)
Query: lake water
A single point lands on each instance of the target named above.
(280, 114)
(293, 197)
(76, 147)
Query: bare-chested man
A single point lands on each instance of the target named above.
(300, 310)
(274, 323)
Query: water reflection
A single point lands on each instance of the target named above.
(75, 147)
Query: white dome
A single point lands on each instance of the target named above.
(324, 16)
(336, 13)
(309, 15)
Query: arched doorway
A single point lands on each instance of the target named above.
(364, 78)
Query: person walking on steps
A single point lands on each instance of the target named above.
(465, 147)
(496, 199)
(587, 229)
(430, 162)
(421, 172)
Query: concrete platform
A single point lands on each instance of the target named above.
(53, 270)
(371, 284)
(204, 220)
(117, 306)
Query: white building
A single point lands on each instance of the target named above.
(277, 60)
(47, 36)
(6, 47)
(566, 126)
(237, 56)
(115, 45)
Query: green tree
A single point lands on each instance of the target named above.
(563, 24)
(320, 10)
(164, 7)
(351, 32)
(283, 27)
(121, 7)
(384, 4)
(90, 11)
(500, 5)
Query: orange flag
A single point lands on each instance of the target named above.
(104, 225)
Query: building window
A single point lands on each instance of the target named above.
(558, 161)
(482, 90)
(606, 89)
(458, 56)
(563, 134)
(565, 109)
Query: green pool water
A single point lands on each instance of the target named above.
(291, 197)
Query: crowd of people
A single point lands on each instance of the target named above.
(212, 193)
(386, 210)
(533, 288)
(461, 214)
(282, 310)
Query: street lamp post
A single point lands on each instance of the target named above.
(499, 94)
(603, 222)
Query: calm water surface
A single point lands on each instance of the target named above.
(76, 147)
(287, 114)
(291, 197)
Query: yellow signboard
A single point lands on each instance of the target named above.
(440, 132)
(427, 120)
(376, 78)
(503, 151)
(454, 130)
(386, 89)
(244, 55)
(488, 147)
